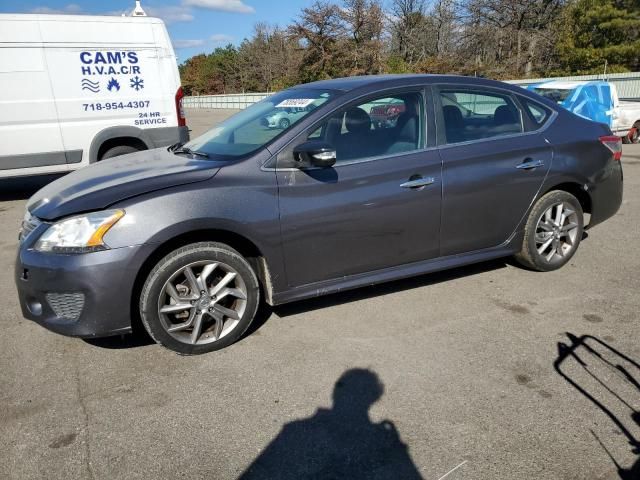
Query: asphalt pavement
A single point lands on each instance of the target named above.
(484, 372)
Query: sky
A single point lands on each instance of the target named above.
(195, 26)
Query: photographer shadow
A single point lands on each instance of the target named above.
(341, 442)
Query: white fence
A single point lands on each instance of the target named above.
(627, 84)
(235, 101)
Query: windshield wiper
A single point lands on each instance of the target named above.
(188, 151)
(171, 148)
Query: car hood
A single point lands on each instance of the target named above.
(105, 183)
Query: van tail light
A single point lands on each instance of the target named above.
(614, 144)
(182, 121)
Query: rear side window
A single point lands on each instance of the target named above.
(536, 112)
(477, 115)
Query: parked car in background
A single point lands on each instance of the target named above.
(597, 101)
(327, 204)
(286, 114)
(80, 89)
(386, 114)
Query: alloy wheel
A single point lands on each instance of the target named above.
(202, 302)
(556, 232)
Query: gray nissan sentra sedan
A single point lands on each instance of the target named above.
(189, 240)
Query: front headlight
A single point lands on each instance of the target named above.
(79, 234)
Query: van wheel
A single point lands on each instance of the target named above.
(117, 151)
(552, 233)
(199, 298)
(634, 134)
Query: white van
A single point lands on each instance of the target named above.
(78, 89)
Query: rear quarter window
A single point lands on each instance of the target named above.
(538, 114)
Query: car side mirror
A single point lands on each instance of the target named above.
(315, 153)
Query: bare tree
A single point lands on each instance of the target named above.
(408, 29)
(364, 22)
(515, 27)
(319, 30)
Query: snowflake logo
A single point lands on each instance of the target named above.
(137, 83)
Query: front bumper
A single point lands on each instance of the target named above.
(84, 295)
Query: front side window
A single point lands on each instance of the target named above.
(377, 127)
(254, 127)
(473, 115)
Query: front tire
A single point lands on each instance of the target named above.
(552, 233)
(199, 298)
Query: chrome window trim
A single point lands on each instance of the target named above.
(545, 126)
(552, 118)
(419, 88)
(352, 162)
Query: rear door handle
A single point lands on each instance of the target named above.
(418, 182)
(530, 164)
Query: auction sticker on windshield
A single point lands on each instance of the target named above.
(295, 103)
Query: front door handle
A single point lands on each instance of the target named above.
(418, 182)
(529, 164)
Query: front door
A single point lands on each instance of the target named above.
(377, 207)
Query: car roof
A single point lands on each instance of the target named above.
(351, 83)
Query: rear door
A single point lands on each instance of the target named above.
(364, 213)
(492, 167)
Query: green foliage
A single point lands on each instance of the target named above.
(599, 31)
(210, 73)
(396, 64)
(501, 39)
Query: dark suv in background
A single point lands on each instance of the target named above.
(190, 239)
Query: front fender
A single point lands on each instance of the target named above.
(240, 199)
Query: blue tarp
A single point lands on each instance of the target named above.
(592, 100)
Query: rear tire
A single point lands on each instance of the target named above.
(199, 298)
(552, 233)
(117, 151)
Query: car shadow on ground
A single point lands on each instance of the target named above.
(120, 342)
(23, 188)
(610, 380)
(141, 339)
(340, 442)
(395, 286)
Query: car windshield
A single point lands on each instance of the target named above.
(557, 95)
(254, 127)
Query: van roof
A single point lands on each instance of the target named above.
(44, 17)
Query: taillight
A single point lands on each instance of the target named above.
(614, 144)
(182, 121)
